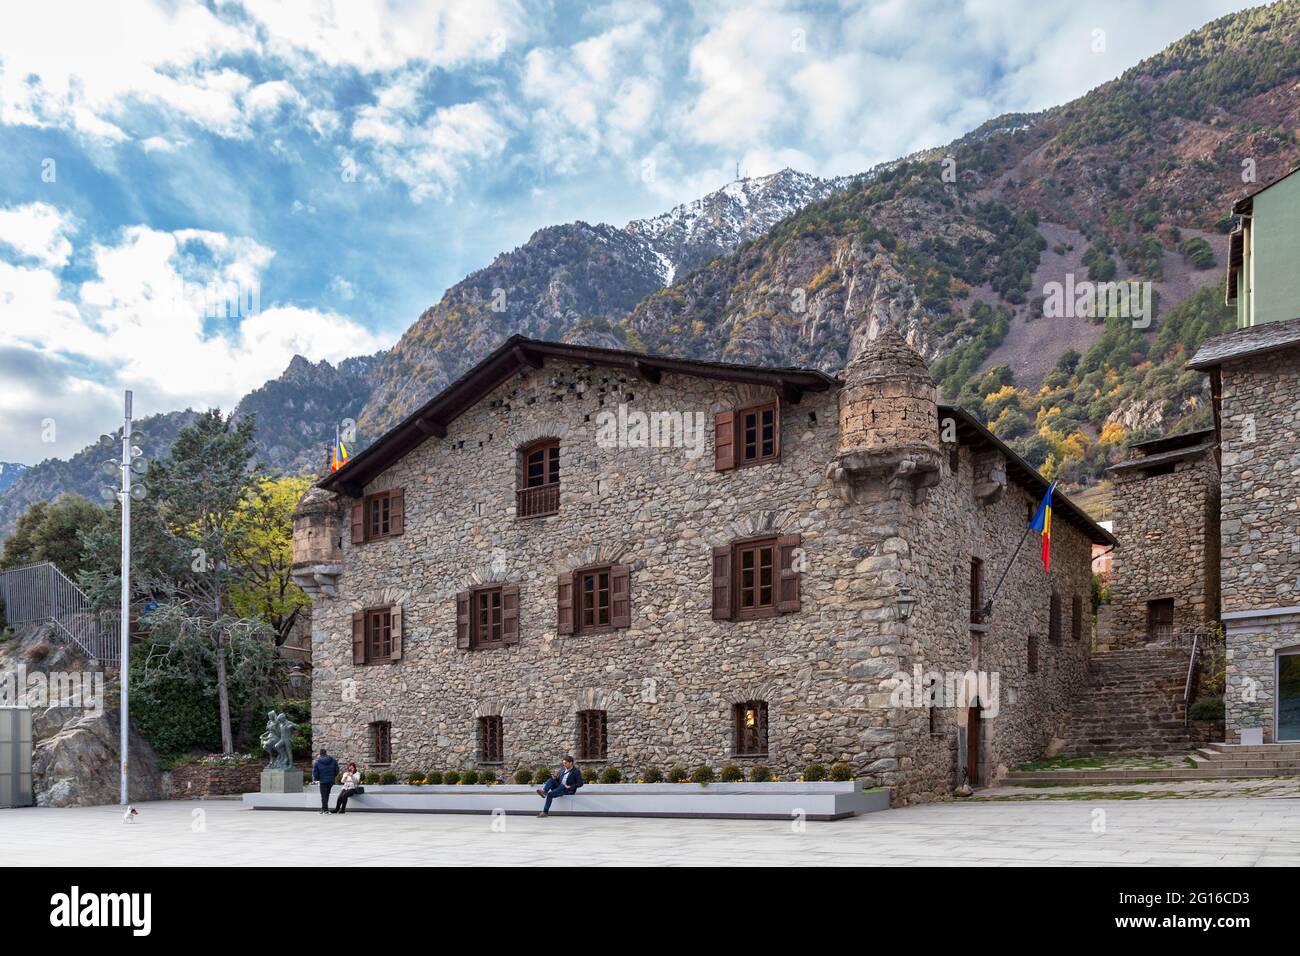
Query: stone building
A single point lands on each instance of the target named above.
(1255, 383)
(1165, 577)
(648, 561)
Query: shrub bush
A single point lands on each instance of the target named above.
(1207, 708)
(523, 777)
(370, 777)
(652, 775)
(731, 774)
(451, 778)
(677, 775)
(387, 778)
(611, 775)
(841, 772)
(433, 777)
(702, 774)
(306, 777)
(469, 776)
(760, 774)
(814, 772)
(415, 779)
(487, 776)
(542, 775)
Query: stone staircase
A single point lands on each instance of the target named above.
(1256, 760)
(1133, 704)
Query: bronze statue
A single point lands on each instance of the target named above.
(278, 740)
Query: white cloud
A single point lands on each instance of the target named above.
(146, 321)
(38, 231)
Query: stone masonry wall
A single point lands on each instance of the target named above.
(1167, 529)
(1260, 414)
(669, 681)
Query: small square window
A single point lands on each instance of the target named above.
(491, 740)
(757, 433)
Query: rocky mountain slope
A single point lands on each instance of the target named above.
(575, 282)
(10, 471)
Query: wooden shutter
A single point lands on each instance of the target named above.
(724, 441)
(620, 596)
(722, 608)
(462, 620)
(359, 521)
(510, 614)
(359, 637)
(776, 431)
(564, 606)
(788, 595)
(396, 618)
(396, 508)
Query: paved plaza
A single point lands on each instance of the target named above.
(1243, 831)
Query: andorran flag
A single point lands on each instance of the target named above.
(339, 456)
(1042, 523)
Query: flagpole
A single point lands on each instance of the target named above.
(988, 605)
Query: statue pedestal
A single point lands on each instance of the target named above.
(282, 781)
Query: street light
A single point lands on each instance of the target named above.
(904, 602)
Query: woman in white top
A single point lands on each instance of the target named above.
(350, 781)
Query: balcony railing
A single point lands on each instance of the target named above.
(537, 501)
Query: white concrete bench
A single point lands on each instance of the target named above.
(756, 801)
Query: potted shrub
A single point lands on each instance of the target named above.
(469, 776)
(487, 777)
(433, 777)
(702, 774)
(731, 774)
(387, 778)
(523, 777)
(814, 772)
(542, 775)
(760, 774)
(611, 775)
(841, 772)
(677, 775)
(415, 779)
(370, 778)
(652, 775)
(451, 778)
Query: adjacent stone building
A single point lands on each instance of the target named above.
(1165, 577)
(648, 561)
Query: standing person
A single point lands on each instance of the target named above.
(562, 784)
(350, 780)
(324, 771)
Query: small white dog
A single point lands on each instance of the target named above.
(130, 815)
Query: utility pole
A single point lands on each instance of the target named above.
(124, 672)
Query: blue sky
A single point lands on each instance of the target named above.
(342, 164)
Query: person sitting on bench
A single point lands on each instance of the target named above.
(562, 784)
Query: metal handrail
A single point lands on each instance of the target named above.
(39, 593)
(1191, 673)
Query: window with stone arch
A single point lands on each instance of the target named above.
(538, 491)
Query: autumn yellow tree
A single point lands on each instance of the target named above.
(264, 554)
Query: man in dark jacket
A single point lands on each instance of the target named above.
(563, 784)
(324, 771)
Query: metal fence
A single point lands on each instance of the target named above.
(41, 592)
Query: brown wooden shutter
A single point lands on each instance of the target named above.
(620, 596)
(462, 620)
(358, 521)
(722, 609)
(724, 441)
(510, 614)
(396, 617)
(359, 637)
(776, 431)
(564, 606)
(396, 510)
(788, 597)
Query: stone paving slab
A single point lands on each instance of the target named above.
(1242, 831)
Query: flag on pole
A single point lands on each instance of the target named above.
(339, 456)
(1042, 523)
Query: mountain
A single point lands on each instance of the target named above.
(10, 471)
(573, 283)
(296, 414)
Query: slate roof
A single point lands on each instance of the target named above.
(1256, 340)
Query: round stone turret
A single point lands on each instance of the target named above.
(317, 550)
(888, 413)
